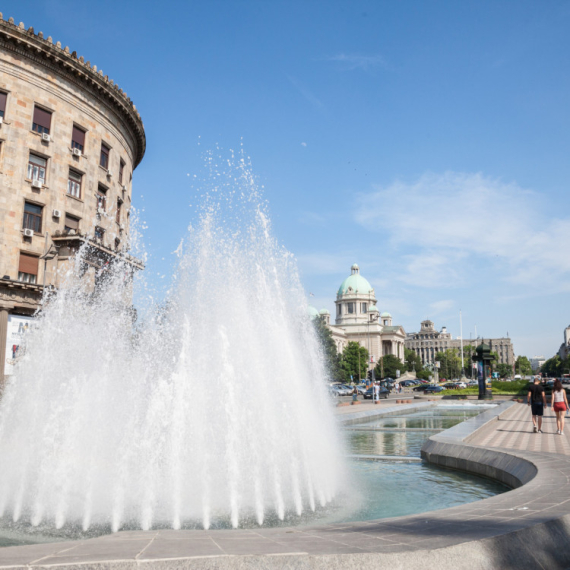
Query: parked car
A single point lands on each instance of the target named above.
(368, 395)
(431, 389)
(335, 391)
(361, 389)
(419, 388)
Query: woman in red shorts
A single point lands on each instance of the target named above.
(559, 405)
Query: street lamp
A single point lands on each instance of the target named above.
(49, 254)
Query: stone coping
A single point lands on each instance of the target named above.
(528, 527)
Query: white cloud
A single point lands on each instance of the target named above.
(303, 144)
(443, 306)
(359, 61)
(455, 219)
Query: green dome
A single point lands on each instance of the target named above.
(357, 283)
(373, 309)
(324, 312)
(386, 315)
(312, 312)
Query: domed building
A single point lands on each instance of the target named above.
(358, 319)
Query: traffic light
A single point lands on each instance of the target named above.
(369, 375)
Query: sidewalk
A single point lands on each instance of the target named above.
(515, 433)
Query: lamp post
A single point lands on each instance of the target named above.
(50, 253)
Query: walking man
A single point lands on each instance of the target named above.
(537, 402)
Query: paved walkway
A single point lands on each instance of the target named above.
(466, 537)
(515, 432)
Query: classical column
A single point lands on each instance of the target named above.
(3, 337)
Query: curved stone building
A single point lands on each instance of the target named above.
(69, 142)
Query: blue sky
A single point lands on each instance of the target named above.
(426, 140)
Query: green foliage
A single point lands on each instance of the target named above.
(450, 366)
(504, 370)
(555, 368)
(354, 360)
(332, 358)
(412, 360)
(522, 366)
(388, 365)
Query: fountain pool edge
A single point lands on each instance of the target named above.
(517, 529)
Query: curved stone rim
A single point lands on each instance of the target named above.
(517, 529)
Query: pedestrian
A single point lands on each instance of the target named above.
(559, 403)
(537, 402)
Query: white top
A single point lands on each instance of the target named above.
(558, 396)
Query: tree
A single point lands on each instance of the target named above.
(450, 363)
(330, 353)
(354, 361)
(504, 370)
(522, 366)
(412, 361)
(388, 364)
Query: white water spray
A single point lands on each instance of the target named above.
(212, 412)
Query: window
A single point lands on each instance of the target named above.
(350, 308)
(42, 121)
(121, 169)
(101, 198)
(37, 168)
(118, 213)
(3, 97)
(364, 307)
(104, 159)
(99, 233)
(117, 243)
(71, 223)
(33, 217)
(74, 184)
(78, 138)
(28, 268)
(339, 310)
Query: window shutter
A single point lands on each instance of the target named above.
(78, 136)
(71, 222)
(42, 118)
(3, 102)
(28, 263)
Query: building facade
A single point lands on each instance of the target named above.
(69, 142)
(428, 341)
(536, 362)
(358, 319)
(564, 350)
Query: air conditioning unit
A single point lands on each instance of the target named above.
(124, 188)
(36, 183)
(57, 214)
(76, 152)
(109, 173)
(1, 120)
(46, 137)
(122, 227)
(28, 233)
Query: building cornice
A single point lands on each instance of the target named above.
(61, 61)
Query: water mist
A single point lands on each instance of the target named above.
(210, 410)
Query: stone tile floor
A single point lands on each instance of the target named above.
(524, 507)
(515, 432)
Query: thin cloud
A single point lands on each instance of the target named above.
(443, 306)
(359, 61)
(305, 92)
(450, 221)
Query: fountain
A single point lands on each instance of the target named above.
(208, 411)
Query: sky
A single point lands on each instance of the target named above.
(427, 141)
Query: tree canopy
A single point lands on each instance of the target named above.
(388, 365)
(522, 366)
(330, 353)
(354, 362)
